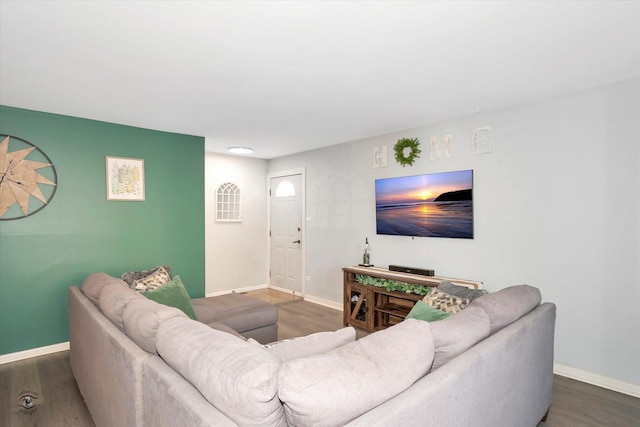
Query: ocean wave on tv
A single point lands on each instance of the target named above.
(431, 219)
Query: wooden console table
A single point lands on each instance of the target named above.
(372, 308)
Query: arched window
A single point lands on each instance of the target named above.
(285, 189)
(228, 203)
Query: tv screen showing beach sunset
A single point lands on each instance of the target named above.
(432, 205)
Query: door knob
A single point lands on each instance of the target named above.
(296, 241)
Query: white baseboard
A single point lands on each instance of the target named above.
(40, 351)
(597, 380)
(285, 290)
(237, 290)
(324, 302)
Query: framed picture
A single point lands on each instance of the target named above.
(125, 179)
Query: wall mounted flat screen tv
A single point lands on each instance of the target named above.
(431, 205)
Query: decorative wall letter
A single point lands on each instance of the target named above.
(435, 149)
(380, 157)
(438, 148)
(446, 143)
(481, 142)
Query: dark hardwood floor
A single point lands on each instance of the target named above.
(56, 400)
(580, 404)
(41, 391)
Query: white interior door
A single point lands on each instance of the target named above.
(285, 243)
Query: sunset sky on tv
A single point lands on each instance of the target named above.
(421, 188)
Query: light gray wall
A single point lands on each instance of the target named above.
(236, 252)
(557, 206)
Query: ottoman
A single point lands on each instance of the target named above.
(250, 317)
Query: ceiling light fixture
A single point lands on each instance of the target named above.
(240, 150)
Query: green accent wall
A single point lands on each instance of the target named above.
(80, 232)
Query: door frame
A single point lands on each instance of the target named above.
(303, 226)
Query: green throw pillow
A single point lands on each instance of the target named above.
(423, 311)
(173, 294)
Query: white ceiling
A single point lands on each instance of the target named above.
(285, 77)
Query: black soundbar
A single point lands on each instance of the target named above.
(412, 270)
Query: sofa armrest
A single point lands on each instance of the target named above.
(106, 364)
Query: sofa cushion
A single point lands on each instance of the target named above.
(309, 345)
(238, 378)
(461, 291)
(132, 276)
(445, 302)
(93, 284)
(458, 333)
(141, 319)
(155, 280)
(224, 328)
(238, 311)
(113, 300)
(422, 311)
(173, 294)
(508, 305)
(333, 388)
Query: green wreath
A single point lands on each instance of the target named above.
(414, 151)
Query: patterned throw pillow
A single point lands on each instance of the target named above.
(154, 281)
(445, 302)
(461, 291)
(132, 276)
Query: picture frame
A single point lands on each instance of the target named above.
(125, 179)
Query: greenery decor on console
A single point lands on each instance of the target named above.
(392, 285)
(407, 151)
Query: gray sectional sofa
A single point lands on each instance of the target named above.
(139, 363)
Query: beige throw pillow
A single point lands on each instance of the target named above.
(156, 280)
(445, 302)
